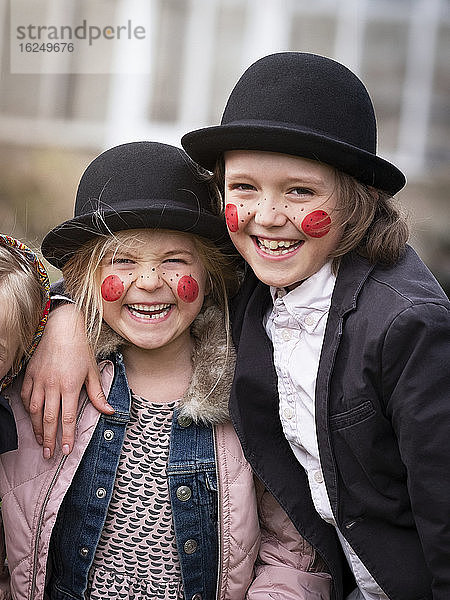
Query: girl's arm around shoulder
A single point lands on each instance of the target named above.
(287, 567)
(61, 364)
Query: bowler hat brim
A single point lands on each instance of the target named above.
(206, 145)
(65, 239)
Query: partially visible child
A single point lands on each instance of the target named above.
(156, 501)
(24, 304)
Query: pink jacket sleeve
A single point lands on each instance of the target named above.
(287, 567)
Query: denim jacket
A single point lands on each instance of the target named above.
(193, 492)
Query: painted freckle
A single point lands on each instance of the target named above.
(112, 288)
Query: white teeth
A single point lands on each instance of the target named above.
(275, 247)
(144, 311)
(149, 308)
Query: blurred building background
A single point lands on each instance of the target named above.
(52, 125)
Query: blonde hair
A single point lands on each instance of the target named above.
(83, 285)
(372, 221)
(22, 293)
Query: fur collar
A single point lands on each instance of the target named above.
(206, 399)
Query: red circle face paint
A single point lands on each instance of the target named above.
(316, 224)
(187, 289)
(112, 288)
(231, 217)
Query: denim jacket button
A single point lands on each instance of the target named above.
(184, 421)
(108, 435)
(196, 597)
(84, 551)
(100, 493)
(184, 493)
(190, 546)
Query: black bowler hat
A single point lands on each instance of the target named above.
(135, 186)
(305, 105)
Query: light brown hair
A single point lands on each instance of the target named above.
(22, 300)
(372, 221)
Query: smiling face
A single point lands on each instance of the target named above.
(281, 214)
(153, 288)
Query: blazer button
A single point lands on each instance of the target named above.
(184, 493)
(190, 546)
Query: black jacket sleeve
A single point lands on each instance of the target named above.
(417, 385)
